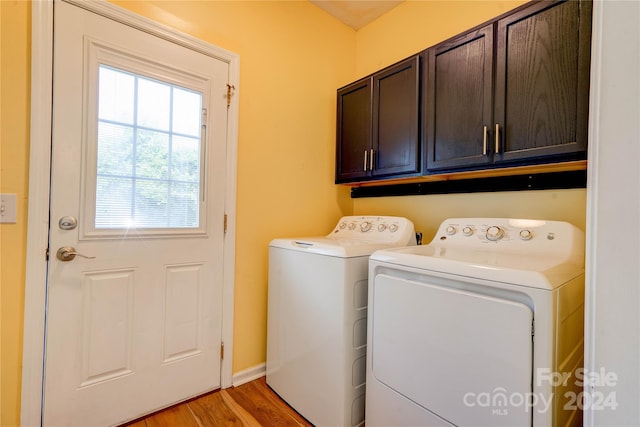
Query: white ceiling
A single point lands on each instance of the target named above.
(356, 13)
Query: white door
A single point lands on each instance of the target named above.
(138, 159)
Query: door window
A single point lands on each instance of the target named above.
(144, 146)
(148, 152)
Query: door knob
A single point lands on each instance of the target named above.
(68, 253)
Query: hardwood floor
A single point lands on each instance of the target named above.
(250, 405)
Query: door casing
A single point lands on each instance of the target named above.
(40, 181)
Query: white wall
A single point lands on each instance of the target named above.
(613, 216)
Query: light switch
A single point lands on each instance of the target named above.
(8, 208)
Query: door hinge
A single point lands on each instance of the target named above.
(229, 89)
(221, 350)
(533, 329)
(225, 223)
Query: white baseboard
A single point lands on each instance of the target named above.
(250, 374)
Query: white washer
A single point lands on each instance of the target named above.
(317, 316)
(481, 327)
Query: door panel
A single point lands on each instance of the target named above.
(354, 131)
(459, 101)
(136, 324)
(396, 108)
(457, 354)
(542, 70)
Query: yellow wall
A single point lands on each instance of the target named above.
(15, 27)
(405, 30)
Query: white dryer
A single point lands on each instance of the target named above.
(481, 327)
(317, 316)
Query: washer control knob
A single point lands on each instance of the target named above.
(382, 227)
(352, 226)
(467, 231)
(526, 234)
(451, 230)
(495, 233)
(343, 225)
(393, 228)
(365, 226)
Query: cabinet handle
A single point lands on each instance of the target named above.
(365, 160)
(484, 141)
(371, 159)
(497, 138)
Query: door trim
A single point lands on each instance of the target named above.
(40, 181)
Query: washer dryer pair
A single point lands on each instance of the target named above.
(317, 316)
(481, 327)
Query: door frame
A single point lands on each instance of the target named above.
(40, 182)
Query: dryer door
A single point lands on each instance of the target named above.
(463, 356)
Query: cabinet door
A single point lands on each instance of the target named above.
(459, 101)
(396, 109)
(353, 131)
(542, 80)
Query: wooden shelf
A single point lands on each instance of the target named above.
(536, 177)
(485, 173)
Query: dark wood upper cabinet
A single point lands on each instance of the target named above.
(511, 92)
(542, 80)
(519, 97)
(378, 131)
(353, 131)
(396, 109)
(459, 107)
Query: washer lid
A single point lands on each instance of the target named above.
(342, 248)
(537, 270)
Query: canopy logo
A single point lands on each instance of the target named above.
(587, 390)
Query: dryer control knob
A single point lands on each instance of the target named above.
(343, 225)
(382, 227)
(494, 233)
(467, 231)
(393, 228)
(451, 230)
(352, 226)
(526, 234)
(365, 226)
